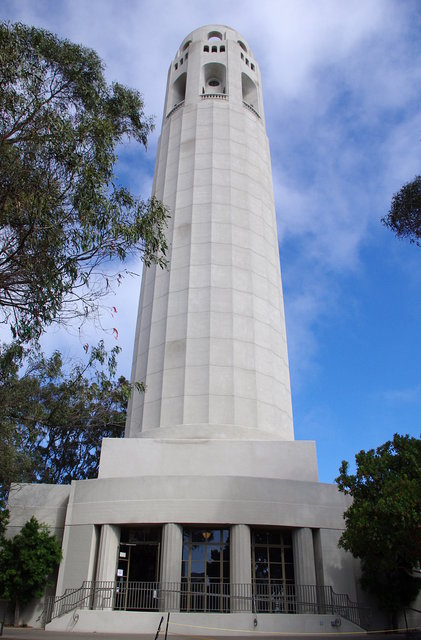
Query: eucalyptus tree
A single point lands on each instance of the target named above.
(65, 222)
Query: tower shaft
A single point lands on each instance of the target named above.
(210, 340)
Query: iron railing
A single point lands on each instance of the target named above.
(196, 596)
(218, 96)
(249, 106)
(174, 108)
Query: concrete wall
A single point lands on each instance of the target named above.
(48, 503)
(294, 460)
(201, 624)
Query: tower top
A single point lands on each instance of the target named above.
(214, 61)
(214, 32)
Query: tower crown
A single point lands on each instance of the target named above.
(214, 62)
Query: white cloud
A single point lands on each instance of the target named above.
(340, 82)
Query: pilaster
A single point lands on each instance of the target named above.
(106, 568)
(171, 556)
(240, 570)
(304, 568)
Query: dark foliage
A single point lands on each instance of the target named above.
(63, 219)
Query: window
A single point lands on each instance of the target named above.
(206, 48)
(242, 45)
(242, 56)
(214, 35)
(181, 61)
(214, 49)
(247, 61)
(176, 66)
(187, 55)
(205, 572)
(272, 569)
(251, 65)
(186, 46)
(222, 48)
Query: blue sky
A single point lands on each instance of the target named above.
(341, 84)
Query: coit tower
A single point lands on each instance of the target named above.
(208, 506)
(210, 341)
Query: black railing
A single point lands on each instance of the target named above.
(220, 96)
(174, 108)
(195, 596)
(251, 108)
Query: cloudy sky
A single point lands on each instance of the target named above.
(341, 84)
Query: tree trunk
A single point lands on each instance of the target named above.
(394, 618)
(16, 620)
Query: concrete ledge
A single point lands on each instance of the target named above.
(205, 499)
(282, 459)
(199, 624)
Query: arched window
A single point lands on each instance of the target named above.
(242, 45)
(249, 90)
(214, 77)
(178, 91)
(212, 35)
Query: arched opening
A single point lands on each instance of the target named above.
(212, 35)
(242, 45)
(249, 91)
(214, 78)
(178, 91)
(188, 43)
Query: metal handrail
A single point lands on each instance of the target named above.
(195, 595)
(249, 106)
(175, 107)
(221, 96)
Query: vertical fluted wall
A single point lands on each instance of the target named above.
(211, 340)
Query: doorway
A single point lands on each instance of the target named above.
(138, 569)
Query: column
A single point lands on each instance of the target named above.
(304, 570)
(240, 570)
(171, 555)
(106, 568)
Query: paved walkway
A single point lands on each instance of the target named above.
(9, 633)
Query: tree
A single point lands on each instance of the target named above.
(64, 221)
(52, 422)
(26, 563)
(383, 524)
(404, 217)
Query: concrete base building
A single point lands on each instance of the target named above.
(208, 509)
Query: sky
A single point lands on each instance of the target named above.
(342, 97)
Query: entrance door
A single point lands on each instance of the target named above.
(138, 570)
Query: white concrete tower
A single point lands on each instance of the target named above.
(210, 341)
